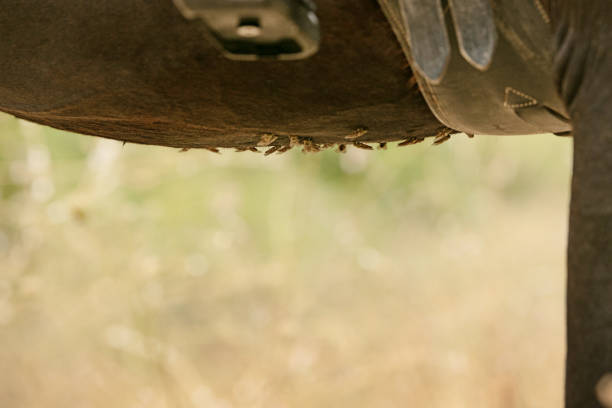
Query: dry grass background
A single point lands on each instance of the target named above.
(423, 276)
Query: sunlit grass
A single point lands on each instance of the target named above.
(136, 276)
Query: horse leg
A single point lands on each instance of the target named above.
(584, 71)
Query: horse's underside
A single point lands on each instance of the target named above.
(138, 71)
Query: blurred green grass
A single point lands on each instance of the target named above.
(137, 276)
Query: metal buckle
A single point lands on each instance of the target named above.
(255, 29)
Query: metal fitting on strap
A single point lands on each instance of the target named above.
(255, 29)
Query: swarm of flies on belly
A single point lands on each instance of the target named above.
(268, 143)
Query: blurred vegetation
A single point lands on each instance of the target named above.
(134, 276)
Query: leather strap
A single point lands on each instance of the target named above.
(495, 76)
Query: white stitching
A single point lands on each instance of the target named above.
(509, 90)
(542, 11)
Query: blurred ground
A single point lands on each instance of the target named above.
(420, 276)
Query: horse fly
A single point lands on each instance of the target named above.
(442, 137)
(362, 146)
(271, 150)
(266, 139)
(356, 134)
(310, 146)
(283, 149)
(411, 141)
(294, 141)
